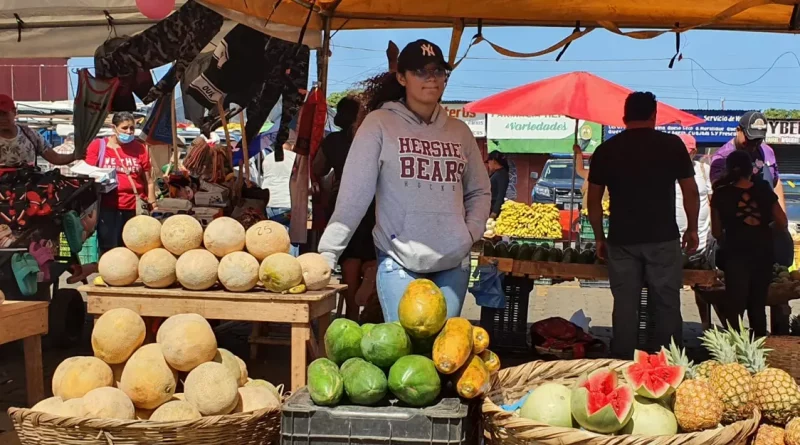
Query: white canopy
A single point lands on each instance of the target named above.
(75, 28)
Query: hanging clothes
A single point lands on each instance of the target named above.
(91, 107)
(139, 82)
(192, 109)
(178, 38)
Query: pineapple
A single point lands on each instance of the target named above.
(731, 381)
(704, 369)
(769, 435)
(696, 405)
(774, 391)
(793, 432)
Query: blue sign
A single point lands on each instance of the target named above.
(719, 127)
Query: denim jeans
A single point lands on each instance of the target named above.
(393, 280)
(281, 215)
(109, 227)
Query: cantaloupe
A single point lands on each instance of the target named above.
(108, 403)
(242, 371)
(223, 236)
(238, 271)
(254, 398)
(51, 405)
(276, 391)
(188, 343)
(267, 237)
(227, 359)
(175, 411)
(211, 389)
(197, 269)
(316, 272)
(83, 375)
(181, 233)
(119, 267)
(280, 272)
(147, 378)
(73, 408)
(173, 321)
(157, 268)
(142, 234)
(59, 373)
(117, 334)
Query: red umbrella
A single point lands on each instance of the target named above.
(579, 95)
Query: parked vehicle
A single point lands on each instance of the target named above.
(554, 186)
(791, 192)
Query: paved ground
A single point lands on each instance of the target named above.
(546, 301)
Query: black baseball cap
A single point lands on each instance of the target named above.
(417, 55)
(753, 125)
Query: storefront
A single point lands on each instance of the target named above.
(783, 135)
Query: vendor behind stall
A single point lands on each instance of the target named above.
(21, 145)
(129, 156)
(497, 165)
(427, 176)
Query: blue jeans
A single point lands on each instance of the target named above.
(281, 215)
(393, 280)
(109, 227)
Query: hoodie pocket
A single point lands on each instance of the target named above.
(431, 241)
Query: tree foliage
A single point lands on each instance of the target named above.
(776, 113)
(334, 98)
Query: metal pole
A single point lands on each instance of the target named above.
(40, 83)
(572, 190)
(326, 46)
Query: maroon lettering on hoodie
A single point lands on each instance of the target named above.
(431, 161)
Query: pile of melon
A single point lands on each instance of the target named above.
(180, 251)
(182, 376)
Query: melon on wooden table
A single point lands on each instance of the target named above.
(142, 234)
(280, 272)
(223, 236)
(197, 269)
(181, 233)
(265, 238)
(238, 271)
(157, 268)
(119, 267)
(316, 272)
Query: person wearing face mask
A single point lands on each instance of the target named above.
(21, 145)
(427, 176)
(128, 155)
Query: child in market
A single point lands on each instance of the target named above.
(427, 176)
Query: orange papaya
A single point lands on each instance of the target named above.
(422, 310)
(480, 340)
(491, 360)
(473, 379)
(453, 345)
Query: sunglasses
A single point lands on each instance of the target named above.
(426, 73)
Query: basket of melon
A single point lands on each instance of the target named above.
(181, 389)
(656, 399)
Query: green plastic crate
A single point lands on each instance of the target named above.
(586, 231)
(88, 253)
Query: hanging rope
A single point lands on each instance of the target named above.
(20, 25)
(563, 50)
(677, 48)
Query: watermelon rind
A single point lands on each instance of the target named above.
(650, 376)
(601, 388)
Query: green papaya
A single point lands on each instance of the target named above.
(325, 384)
(343, 340)
(501, 250)
(555, 255)
(366, 327)
(526, 252)
(589, 246)
(541, 253)
(488, 249)
(513, 252)
(364, 383)
(350, 362)
(414, 380)
(385, 343)
(569, 255)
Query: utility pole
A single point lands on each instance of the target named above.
(722, 103)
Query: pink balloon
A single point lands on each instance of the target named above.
(155, 9)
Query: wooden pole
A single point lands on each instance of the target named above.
(322, 76)
(225, 129)
(174, 120)
(245, 152)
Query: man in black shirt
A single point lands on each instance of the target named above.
(639, 167)
(498, 177)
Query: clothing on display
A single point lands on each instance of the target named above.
(276, 178)
(92, 104)
(178, 38)
(139, 82)
(192, 109)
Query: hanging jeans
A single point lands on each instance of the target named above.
(393, 280)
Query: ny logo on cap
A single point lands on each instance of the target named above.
(427, 50)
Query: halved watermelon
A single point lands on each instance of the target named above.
(600, 404)
(652, 376)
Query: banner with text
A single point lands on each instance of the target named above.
(783, 131)
(475, 121)
(540, 134)
(719, 127)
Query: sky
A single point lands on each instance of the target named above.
(719, 70)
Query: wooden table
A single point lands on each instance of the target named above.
(27, 320)
(256, 306)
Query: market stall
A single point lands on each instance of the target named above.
(26, 321)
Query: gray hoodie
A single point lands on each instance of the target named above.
(430, 184)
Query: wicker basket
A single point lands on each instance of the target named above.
(785, 354)
(255, 428)
(510, 429)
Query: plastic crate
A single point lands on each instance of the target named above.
(586, 231)
(449, 422)
(508, 328)
(88, 253)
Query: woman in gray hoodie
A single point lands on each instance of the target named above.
(426, 173)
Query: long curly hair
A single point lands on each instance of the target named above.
(377, 91)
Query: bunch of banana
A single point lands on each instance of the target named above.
(606, 209)
(541, 221)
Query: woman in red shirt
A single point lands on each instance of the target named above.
(129, 156)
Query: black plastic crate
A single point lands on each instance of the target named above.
(452, 421)
(508, 328)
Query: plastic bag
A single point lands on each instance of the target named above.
(488, 290)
